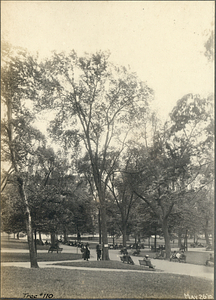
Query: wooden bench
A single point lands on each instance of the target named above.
(181, 258)
(122, 259)
(143, 263)
(127, 259)
(136, 252)
(55, 249)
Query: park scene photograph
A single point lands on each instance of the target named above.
(107, 149)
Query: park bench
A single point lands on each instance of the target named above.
(127, 259)
(181, 258)
(209, 263)
(55, 249)
(144, 263)
(136, 252)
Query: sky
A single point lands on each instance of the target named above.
(162, 41)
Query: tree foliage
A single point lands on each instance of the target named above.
(178, 164)
(97, 105)
(117, 151)
(20, 86)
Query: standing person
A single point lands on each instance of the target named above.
(86, 253)
(98, 250)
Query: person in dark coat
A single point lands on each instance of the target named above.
(86, 253)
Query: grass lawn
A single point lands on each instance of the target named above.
(64, 283)
(19, 244)
(104, 264)
(17, 257)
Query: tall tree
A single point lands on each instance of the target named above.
(20, 83)
(97, 105)
(123, 195)
(156, 183)
(178, 162)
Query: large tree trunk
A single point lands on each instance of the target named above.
(186, 241)
(53, 239)
(32, 252)
(206, 231)
(155, 242)
(105, 250)
(124, 234)
(194, 237)
(167, 238)
(35, 240)
(65, 235)
(33, 256)
(179, 240)
(138, 237)
(99, 226)
(101, 196)
(78, 235)
(40, 238)
(212, 241)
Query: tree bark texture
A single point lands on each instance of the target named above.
(65, 235)
(35, 240)
(179, 240)
(155, 241)
(206, 233)
(99, 227)
(53, 239)
(124, 233)
(32, 252)
(40, 238)
(105, 250)
(186, 241)
(167, 238)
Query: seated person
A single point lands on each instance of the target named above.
(160, 254)
(148, 261)
(173, 255)
(210, 261)
(126, 258)
(124, 251)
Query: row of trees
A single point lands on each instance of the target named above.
(114, 153)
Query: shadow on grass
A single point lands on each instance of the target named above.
(24, 257)
(105, 264)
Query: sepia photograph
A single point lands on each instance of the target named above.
(107, 149)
